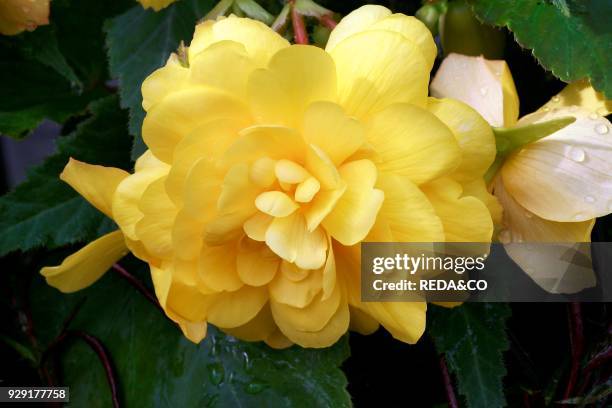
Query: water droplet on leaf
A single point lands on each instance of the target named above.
(216, 373)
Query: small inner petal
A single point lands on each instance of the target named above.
(275, 203)
(290, 172)
(262, 172)
(306, 190)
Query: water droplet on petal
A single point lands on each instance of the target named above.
(579, 217)
(593, 116)
(589, 199)
(602, 129)
(546, 109)
(528, 214)
(483, 91)
(577, 154)
(601, 111)
(556, 98)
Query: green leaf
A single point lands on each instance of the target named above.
(44, 210)
(473, 338)
(140, 41)
(55, 71)
(571, 38)
(157, 366)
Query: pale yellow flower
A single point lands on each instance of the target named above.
(269, 163)
(551, 190)
(155, 4)
(20, 15)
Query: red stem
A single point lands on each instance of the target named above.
(299, 28)
(328, 21)
(577, 344)
(97, 346)
(448, 385)
(137, 285)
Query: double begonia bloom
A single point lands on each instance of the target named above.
(17, 16)
(268, 165)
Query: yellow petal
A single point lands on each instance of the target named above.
(312, 317)
(404, 320)
(273, 142)
(566, 176)
(335, 328)
(234, 309)
(581, 94)
(361, 322)
(259, 328)
(296, 76)
(87, 265)
(473, 134)
(406, 214)
(306, 190)
(330, 129)
(485, 85)
(224, 65)
(179, 113)
(298, 294)
(275, 203)
(97, 184)
(465, 219)
(256, 226)
(187, 236)
(354, 214)
(256, 264)
(158, 213)
(209, 141)
(411, 141)
(171, 77)
(391, 69)
(290, 172)
(521, 225)
(277, 340)
(289, 238)
(195, 332)
(477, 188)
(259, 40)
(373, 17)
(201, 190)
(128, 194)
(218, 268)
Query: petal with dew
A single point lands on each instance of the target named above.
(582, 94)
(566, 176)
(485, 85)
(87, 265)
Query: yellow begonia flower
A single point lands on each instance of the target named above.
(551, 190)
(155, 4)
(269, 163)
(20, 15)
